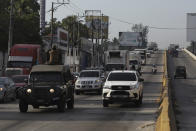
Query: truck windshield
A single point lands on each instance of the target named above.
(110, 67)
(19, 64)
(133, 62)
(89, 74)
(122, 77)
(46, 77)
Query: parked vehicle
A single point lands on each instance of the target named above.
(7, 89)
(89, 81)
(180, 72)
(48, 85)
(22, 58)
(121, 87)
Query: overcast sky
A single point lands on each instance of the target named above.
(158, 13)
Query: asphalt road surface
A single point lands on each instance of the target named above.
(184, 92)
(89, 114)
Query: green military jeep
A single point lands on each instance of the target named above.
(48, 85)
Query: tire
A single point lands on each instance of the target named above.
(61, 105)
(184, 77)
(23, 106)
(77, 92)
(70, 104)
(105, 103)
(139, 102)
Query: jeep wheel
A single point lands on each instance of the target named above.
(77, 92)
(105, 103)
(70, 103)
(61, 105)
(23, 106)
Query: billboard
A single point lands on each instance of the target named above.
(98, 25)
(62, 36)
(130, 38)
(191, 27)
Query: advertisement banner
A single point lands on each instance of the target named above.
(130, 38)
(98, 26)
(62, 36)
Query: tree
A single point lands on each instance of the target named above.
(70, 24)
(26, 22)
(144, 32)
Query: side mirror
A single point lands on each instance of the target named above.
(141, 79)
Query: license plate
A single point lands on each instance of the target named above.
(119, 96)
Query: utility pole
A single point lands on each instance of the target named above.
(92, 12)
(10, 39)
(52, 10)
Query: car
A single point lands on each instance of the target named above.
(48, 85)
(122, 87)
(180, 72)
(19, 81)
(7, 89)
(89, 81)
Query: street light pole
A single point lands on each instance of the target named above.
(10, 39)
(53, 9)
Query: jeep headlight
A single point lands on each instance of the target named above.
(51, 90)
(29, 91)
(1, 89)
(106, 87)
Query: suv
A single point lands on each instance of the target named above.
(123, 86)
(47, 85)
(180, 72)
(89, 81)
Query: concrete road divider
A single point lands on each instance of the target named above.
(190, 53)
(166, 118)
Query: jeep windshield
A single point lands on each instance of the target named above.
(39, 77)
(89, 74)
(122, 77)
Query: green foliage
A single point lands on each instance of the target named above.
(26, 22)
(70, 24)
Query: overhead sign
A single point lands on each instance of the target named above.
(98, 26)
(62, 36)
(191, 27)
(130, 38)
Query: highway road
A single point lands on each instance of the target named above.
(89, 114)
(184, 92)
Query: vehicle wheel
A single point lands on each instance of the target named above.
(184, 77)
(105, 103)
(62, 105)
(77, 92)
(4, 97)
(139, 102)
(23, 106)
(70, 104)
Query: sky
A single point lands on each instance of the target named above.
(156, 13)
